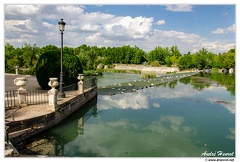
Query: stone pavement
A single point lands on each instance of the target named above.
(24, 112)
(31, 110)
(31, 85)
(17, 114)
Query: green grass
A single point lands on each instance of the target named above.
(122, 71)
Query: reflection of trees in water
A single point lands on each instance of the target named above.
(52, 141)
(202, 81)
(173, 84)
(186, 80)
(227, 80)
(195, 82)
(200, 86)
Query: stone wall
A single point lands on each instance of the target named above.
(145, 69)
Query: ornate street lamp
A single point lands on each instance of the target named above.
(61, 94)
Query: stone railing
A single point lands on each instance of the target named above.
(23, 97)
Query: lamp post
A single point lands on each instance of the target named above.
(61, 94)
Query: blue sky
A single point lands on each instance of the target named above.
(190, 27)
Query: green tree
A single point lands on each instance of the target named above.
(200, 59)
(185, 62)
(168, 61)
(29, 55)
(48, 66)
(158, 54)
(229, 61)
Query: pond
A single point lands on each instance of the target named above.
(189, 117)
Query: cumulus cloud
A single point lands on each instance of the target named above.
(161, 22)
(220, 31)
(21, 9)
(39, 24)
(179, 8)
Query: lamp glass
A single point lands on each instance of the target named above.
(61, 25)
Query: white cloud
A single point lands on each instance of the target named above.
(161, 22)
(179, 8)
(70, 10)
(231, 28)
(220, 31)
(21, 9)
(100, 29)
(217, 46)
(90, 27)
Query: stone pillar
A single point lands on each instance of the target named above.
(231, 71)
(22, 97)
(52, 93)
(17, 70)
(80, 84)
(21, 82)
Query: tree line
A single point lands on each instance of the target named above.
(92, 56)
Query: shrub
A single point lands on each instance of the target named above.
(49, 66)
(148, 75)
(155, 64)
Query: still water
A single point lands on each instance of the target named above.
(184, 118)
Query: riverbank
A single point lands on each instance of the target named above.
(147, 69)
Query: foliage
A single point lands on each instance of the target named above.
(48, 66)
(148, 75)
(185, 62)
(93, 72)
(164, 56)
(92, 56)
(155, 64)
(204, 59)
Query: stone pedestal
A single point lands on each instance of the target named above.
(22, 97)
(52, 93)
(52, 97)
(80, 84)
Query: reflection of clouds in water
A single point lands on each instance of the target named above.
(136, 100)
(175, 123)
(141, 98)
(221, 96)
(123, 123)
(181, 90)
(229, 105)
(216, 89)
(156, 105)
(122, 138)
(232, 135)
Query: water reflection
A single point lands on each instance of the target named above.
(172, 120)
(57, 137)
(202, 81)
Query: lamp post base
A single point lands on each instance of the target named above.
(61, 95)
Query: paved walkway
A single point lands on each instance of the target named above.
(16, 114)
(31, 85)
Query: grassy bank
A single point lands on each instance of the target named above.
(111, 70)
